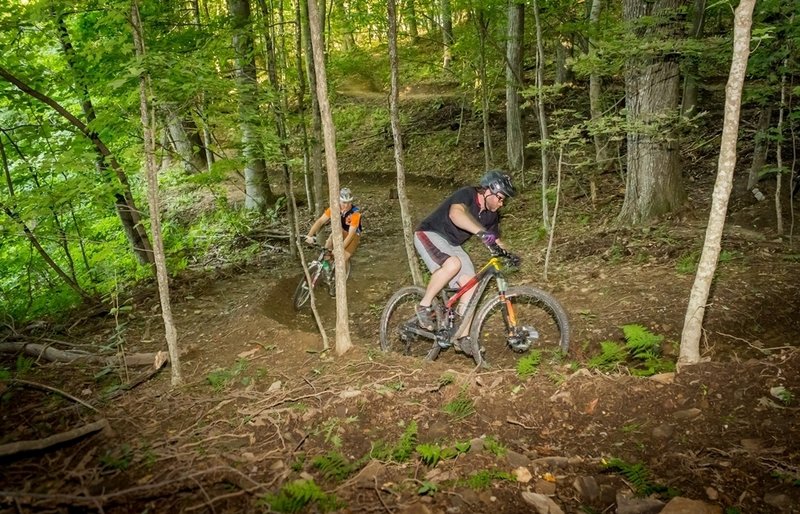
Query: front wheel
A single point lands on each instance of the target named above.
(302, 292)
(541, 323)
(399, 331)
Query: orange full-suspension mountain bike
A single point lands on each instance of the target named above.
(504, 324)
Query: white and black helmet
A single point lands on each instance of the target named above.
(498, 182)
(345, 195)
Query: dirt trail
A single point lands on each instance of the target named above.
(262, 404)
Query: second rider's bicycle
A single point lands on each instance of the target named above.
(322, 272)
(505, 325)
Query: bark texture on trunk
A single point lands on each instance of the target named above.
(148, 131)
(654, 183)
(515, 133)
(402, 195)
(257, 191)
(343, 342)
(698, 298)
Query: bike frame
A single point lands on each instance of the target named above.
(491, 270)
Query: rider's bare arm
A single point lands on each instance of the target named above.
(461, 217)
(317, 225)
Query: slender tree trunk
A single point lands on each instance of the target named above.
(301, 104)
(602, 159)
(126, 207)
(515, 132)
(654, 183)
(402, 195)
(73, 284)
(779, 157)
(447, 32)
(482, 22)
(279, 107)
(411, 21)
(689, 101)
(544, 135)
(695, 311)
(760, 147)
(343, 342)
(257, 190)
(316, 117)
(153, 201)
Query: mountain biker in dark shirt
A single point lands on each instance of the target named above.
(471, 210)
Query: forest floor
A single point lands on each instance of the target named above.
(263, 405)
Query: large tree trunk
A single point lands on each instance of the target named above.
(185, 139)
(698, 299)
(760, 147)
(405, 213)
(145, 94)
(654, 184)
(257, 190)
(343, 342)
(515, 132)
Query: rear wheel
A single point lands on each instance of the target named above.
(399, 331)
(542, 324)
(302, 292)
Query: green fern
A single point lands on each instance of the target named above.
(493, 446)
(296, 496)
(405, 447)
(461, 406)
(611, 355)
(484, 478)
(429, 454)
(529, 365)
(637, 475)
(333, 466)
(641, 343)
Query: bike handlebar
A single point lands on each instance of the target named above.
(497, 251)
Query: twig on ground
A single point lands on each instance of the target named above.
(519, 424)
(41, 444)
(378, 494)
(53, 389)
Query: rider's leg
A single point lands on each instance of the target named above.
(349, 251)
(440, 278)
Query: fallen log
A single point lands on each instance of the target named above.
(47, 352)
(41, 444)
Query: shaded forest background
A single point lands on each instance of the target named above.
(580, 89)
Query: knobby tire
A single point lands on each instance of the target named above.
(302, 292)
(399, 310)
(533, 307)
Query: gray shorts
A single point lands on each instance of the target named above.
(435, 249)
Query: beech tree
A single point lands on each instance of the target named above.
(695, 311)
